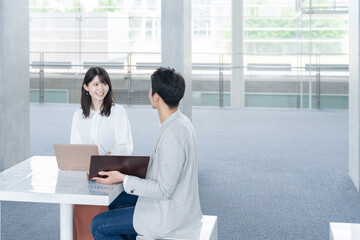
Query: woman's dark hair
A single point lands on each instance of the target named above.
(169, 84)
(86, 98)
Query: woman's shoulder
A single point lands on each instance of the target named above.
(77, 116)
(78, 112)
(117, 108)
(118, 111)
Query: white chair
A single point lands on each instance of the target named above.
(344, 231)
(209, 230)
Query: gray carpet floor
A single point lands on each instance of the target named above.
(267, 174)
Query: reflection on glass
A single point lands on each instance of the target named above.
(76, 182)
(43, 175)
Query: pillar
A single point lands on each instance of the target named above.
(354, 93)
(176, 44)
(237, 72)
(14, 82)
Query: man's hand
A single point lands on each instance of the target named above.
(112, 177)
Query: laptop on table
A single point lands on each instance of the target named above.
(74, 156)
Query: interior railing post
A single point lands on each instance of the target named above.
(221, 81)
(129, 78)
(41, 78)
(318, 70)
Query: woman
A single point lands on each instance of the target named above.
(102, 122)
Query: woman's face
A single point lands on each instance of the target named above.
(97, 89)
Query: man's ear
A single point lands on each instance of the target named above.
(156, 97)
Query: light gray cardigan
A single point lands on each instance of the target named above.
(168, 204)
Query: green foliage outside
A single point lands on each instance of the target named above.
(292, 47)
(76, 6)
(284, 23)
(291, 34)
(316, 24)
(261, 22)
(257, 1)
(255, 11)
(107, 3)
(281, 34)
(44, 6)
(322, 4)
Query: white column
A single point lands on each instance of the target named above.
(354, 93)
(237, 73)
(14, 82)
(176, 44)
(66, 221)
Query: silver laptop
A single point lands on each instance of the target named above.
(74, 156)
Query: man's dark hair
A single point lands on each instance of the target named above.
(169, 84)
(86, 98)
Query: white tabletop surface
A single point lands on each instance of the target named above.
(38, 179)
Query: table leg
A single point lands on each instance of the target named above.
(66, 221)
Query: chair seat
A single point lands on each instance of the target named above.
(208, 230)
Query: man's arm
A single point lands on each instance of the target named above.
(166, 170)
(170, 157)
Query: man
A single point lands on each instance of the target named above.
(168, 203)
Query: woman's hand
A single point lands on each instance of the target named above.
(112, 177)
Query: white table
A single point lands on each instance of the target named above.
(38, 179)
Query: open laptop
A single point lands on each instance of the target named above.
(74, 156)
(130, 165)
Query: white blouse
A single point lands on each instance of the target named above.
(110, 134)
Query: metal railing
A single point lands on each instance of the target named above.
(270, 81)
